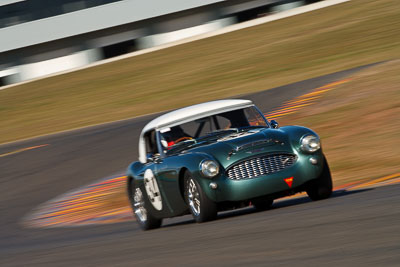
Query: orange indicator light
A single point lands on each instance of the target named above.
(289, 181)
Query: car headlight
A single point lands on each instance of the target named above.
(310, 143)
(209, 168)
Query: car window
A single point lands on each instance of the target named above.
(198, 127)
(151, 143)
(223, 123)
(254, 117)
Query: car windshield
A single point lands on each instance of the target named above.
(211, 128)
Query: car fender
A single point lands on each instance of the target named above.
(135, 174)
(191, 162)
(295, 133)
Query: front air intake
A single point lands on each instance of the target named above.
(258, 166)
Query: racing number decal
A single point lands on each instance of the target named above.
(153, 192)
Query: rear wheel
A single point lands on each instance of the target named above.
(145, 220)
(321, 188)
(201, 207)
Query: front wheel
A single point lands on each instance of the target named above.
(201, 207)
(145, 220)
(321, 188)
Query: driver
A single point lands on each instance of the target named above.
(175, 135)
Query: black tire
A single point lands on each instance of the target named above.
(144, 218)
(321, 188)
(201, 207)
(262, 203)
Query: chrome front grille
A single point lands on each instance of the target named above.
(258, 166)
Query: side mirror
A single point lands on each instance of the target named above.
(274, 124)
(153, 158)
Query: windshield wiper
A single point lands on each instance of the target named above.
(248, 128)
(217, 132)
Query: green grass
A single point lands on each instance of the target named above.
(359, 124)
(285, 51)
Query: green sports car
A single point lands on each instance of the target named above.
(221, 155)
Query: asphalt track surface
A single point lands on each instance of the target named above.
(352, 228)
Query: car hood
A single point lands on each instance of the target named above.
(237, 146)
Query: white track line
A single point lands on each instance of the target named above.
(231, 28)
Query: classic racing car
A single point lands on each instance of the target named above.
(221, 155)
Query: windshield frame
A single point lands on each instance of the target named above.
(164, 152)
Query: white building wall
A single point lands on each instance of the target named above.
(288, 6)
(168, 37)
(47, 67)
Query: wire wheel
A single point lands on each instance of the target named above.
(194, 198)
(202, 208)
(138, 205)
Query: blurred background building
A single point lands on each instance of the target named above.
(42, 37)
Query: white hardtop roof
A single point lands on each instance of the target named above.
(195, 112)
(188, 114)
